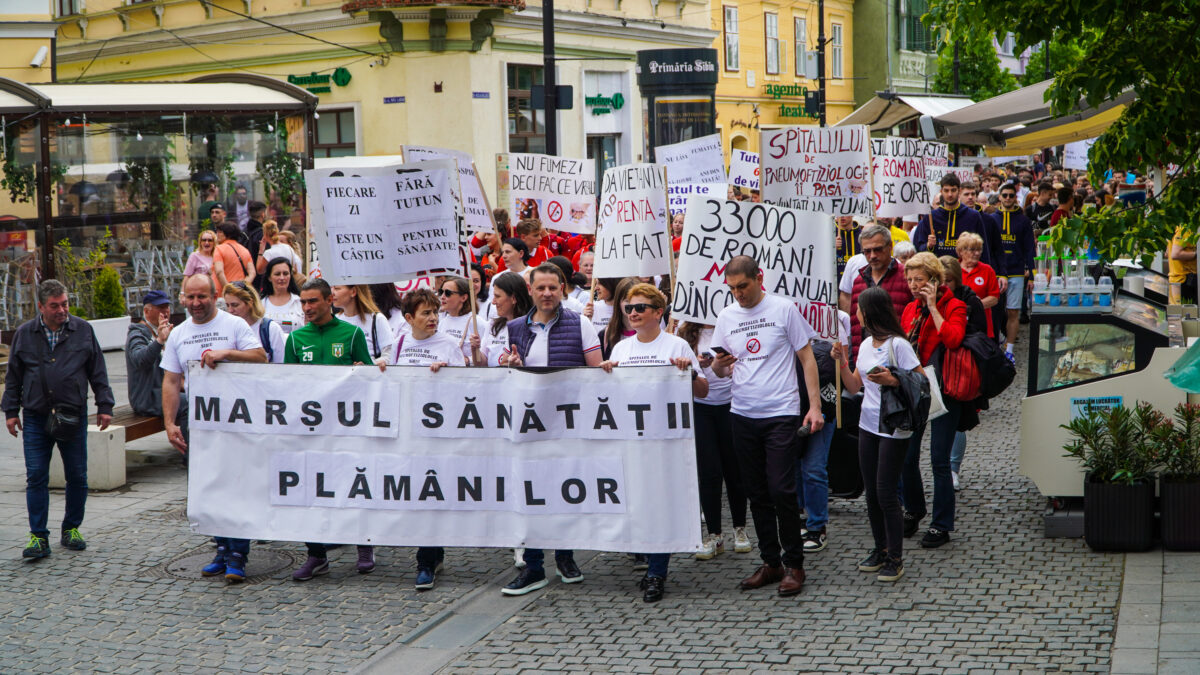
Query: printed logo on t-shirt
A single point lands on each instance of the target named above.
(978, 281)
(307, 356)
(339, 349)
(753, 346)
(417, 356)
(644, 360)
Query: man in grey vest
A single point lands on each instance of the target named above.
(549, 336)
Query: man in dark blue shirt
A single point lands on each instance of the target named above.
(1016, 237)
(938, 231)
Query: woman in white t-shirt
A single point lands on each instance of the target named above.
(456, 319)
(618, 327)
(242, 301)
(283, 304)
(880, 455)
(600, 310)
(510, 299)
(272, 246)
(652, 346)
(359, 309)
(483, 298)
(387, 298)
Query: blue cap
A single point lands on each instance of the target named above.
(156, 298)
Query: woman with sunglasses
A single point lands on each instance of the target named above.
(644, 305)
(282, 305)
(456, 320)
(201, 260)
(242, 301)
(359, 309)
(618, 327)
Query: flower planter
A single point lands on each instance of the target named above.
(1179, 505)
(111, 333)
(1118, 517)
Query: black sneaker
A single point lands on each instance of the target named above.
(568, 571)
(934, 538)
(873, 562)
(653, 587)
(527, 581)
(38, 547)
(814, 541)
(911, 524)
(72, 540)
(892, 570)
(640, 561)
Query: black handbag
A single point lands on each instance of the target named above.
(64, 421)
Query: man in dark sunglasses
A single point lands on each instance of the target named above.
(1016, 238)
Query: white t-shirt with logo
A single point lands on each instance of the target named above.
(289, 316)
(495, 346)
(658, 352)
(870, 356)
(765, 339)
(456, 326)
(437, 348)
(189, 340)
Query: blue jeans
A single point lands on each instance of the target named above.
(812, 477)
(430, 557)
(958, 450)
(234, 545)
(657, 564)
(38, 446)
(535, 558)
(912, 491)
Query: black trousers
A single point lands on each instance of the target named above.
(882, 460)
(767, 458)
(717, 462)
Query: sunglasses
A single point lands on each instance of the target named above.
(239, 284)
(1007, 195)
(638, 307)
(445, 293)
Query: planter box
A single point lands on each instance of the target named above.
(111, 333)
(1118, 517)
(1179, 504)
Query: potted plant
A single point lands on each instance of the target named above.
(110, 319)
(1179, 482)
(1118, 448)
(96, 290)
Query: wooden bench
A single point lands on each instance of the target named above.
(136, 426)
(106, 449)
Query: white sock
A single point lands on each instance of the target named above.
(1008, 347)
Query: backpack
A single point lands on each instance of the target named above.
(264, 336)
(961, 380)
(822, 354)
(996, 371)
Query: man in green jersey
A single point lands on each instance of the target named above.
(327, 341)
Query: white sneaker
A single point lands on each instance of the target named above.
(741, 542)
(713, 545)
(954, 477)
(519, 558)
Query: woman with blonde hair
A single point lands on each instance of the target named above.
(243, 302)
(273, 246)
(358, 308)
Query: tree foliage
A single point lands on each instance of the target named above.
(979, 73)
(1063, 54)
(1152, 48)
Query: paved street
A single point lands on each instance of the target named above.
(999, 597)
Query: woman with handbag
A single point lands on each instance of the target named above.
(935, 318)
(977, 322)
(880, 455)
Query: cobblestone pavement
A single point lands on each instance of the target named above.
(999, 597)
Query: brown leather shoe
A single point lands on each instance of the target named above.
(762, 576)
(793, 580)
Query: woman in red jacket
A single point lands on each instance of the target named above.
(935, 318)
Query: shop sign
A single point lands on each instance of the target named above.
(797, 110)
(778, 91)
(666, 67)
(603, 105)
(1082, 406)
(319, 84)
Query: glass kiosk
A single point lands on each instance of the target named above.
(1083, 357)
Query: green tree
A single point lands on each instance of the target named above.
(979, 73)
(1151, 48)
(1062, 56)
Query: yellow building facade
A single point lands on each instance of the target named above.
(763, 80)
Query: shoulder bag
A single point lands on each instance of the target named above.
(64, 421)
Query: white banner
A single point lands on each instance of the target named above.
(560, 192)
(818, 169)
(375, 225)
(898, 174)
(793, 248)
(632, 240)
(476, 217)
(1075, 154)
(699, 160)
(576, 459)
(743, 169)
(678, 194)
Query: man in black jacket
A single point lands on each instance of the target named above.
(54, 358)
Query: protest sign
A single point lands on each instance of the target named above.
(577, 458)
(743, 169)
(632, 240)
(476, 217)
(678, 194)
(699, 160)
(898, 175)
(937, 159)
(793, 248)
(818, 169)
(381, 224)
(1075, 154)
(558, 191)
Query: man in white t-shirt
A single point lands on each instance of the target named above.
(758, 341)
(209, 336)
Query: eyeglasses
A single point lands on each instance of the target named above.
(874, 249)
(209, 239)
(638, 307)
(1007, 195)
(445, 293)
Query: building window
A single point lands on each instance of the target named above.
(731, 38)
(526, 126)
(914, 35)
(67, 7)
(772, 32)
(335, 134)
(1005, 48)
(835, 53)
(801, 42)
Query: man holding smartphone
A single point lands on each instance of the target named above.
(757, 341)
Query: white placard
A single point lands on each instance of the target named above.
(633, 239)
(678, 194)
(744, 169)
(898, 175)
(560, 192)
(699, 160)
(475, 210)
(575, 459)
(792, 248)
(818, 169)
(1075, 154)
